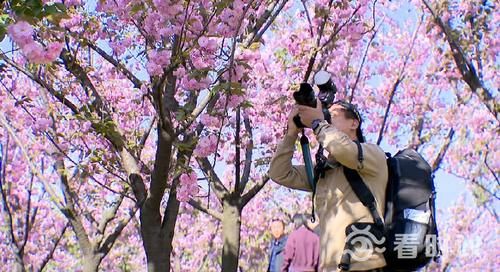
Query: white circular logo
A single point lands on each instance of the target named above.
(366, 243)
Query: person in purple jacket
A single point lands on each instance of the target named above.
(302, 247)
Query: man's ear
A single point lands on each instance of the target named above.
(354, 124)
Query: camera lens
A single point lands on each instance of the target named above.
(305, 96)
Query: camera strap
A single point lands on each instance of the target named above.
(319, 172)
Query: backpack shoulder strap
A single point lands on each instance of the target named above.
(362, 191)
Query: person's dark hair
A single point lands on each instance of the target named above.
(351, 112)
(278, 220)
(298, 220)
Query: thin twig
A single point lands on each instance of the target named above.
(398, 81)
(308, 18)
(48, 187)
(358, 75)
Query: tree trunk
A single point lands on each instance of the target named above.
(158, 237)
(91, 263)
(157, 234)
(157, 257)
(231, 224)
(19, 266)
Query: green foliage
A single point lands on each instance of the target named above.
(186, 146)
(181, 115)
(34, 10)
(221, 5)
(136, 8)
(480, 195)
(97, 155)
(55, 12)
(280, 54)
(199, 73)
(4, 22)
(31, 11)
(247, 104)
(234, 88)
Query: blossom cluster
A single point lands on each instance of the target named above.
(188, 186)
(22, 34)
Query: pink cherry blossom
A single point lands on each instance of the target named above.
(206, 146)
(21, 33)
(101, 116)
(53, 50)
(188, 186)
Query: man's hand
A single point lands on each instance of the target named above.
(308, 114)
(292, 129)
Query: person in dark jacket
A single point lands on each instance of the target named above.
(302, 247)
(277, 245)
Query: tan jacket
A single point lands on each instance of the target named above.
(336, 204)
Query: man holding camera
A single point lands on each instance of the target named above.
(336, 204)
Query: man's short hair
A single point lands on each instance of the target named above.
(298, 220)
(278, 220)
(351, 112)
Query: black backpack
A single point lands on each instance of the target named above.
(409, 228)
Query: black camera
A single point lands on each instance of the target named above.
(305, 95)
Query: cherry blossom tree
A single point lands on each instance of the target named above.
(177, 46)
(138, 133)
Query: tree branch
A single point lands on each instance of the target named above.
(318, 41)
(437, 162)
(215, 182)
(358, 75)
(255, 189)
(119, 66)
(465, 66)
(109, 215)
(58, 95)
(197, 205)
(51, 253)
(161, 169)
(46, 184)
(475, 182)
(256, 34)
(237, 146)
(208, 100)
(308, 18)
(337, 30)
(488, 166)
(387, 110)
(113, 134)
(71, 64)
(70, 212)
(144, 137)
(7, 212)
(396, 84)
(105, 247)
(27, 218)
(417, 140)
(248, 156)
